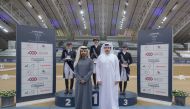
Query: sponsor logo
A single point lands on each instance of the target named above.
(153, 60)
(147, 72)
(29, 92)
(158, 72)
(152, 34)
(43, 53)
(158, 54)
(153, 85)
(161, 66)
(148, 66)
(29, 46)
(149, 54)
(37, 85)
(43, 46)
(32, 79)
(29, 66)
(160, 92)
(158, 46)
(44, 90)
(158, 79)
(42, 78)
(146, 90)
(149, 78)
(45, 65)
(37, 59)
(32, 52)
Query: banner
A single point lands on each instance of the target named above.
(35, 63)
(154, 64)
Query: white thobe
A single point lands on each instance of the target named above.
(107, 71)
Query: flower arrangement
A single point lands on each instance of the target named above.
(7, 93)
(180, 93)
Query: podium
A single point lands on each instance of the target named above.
(62, 100)
(129, 99)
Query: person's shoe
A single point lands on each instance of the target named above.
(123, 93)
(97, 87)
(66, 91)
(94, 86)
(71, 91)
(120, 93)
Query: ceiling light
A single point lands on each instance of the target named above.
(81, 12)
(80, 3)
(124, 12)
(42, 20)
(83, 18)
(45, 25)
(162, 22)
(5, 30)
(175, 6)
(164, 18)
(40, 17)
(29, 4)
(1, 27)
(158, 26)
(126, 3)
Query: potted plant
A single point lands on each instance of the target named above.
(180, 97)
(7, 98)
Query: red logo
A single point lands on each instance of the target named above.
(149, 54)
(32, 52)
(149, 78)
(32, 79)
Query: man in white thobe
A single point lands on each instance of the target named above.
(108, 77)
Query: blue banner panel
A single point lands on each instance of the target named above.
(35, 63)
(154, 64)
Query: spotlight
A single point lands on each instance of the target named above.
(40, 17)
(5, 30)
(29, 4)
(124, 12)
(164, 18)
(81, 12)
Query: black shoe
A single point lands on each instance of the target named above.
(97, 87)
(66, 91)
(94, 87)
(71, 91)
(123, 93)
(120, 93)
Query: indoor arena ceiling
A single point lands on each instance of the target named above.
(88, 18)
